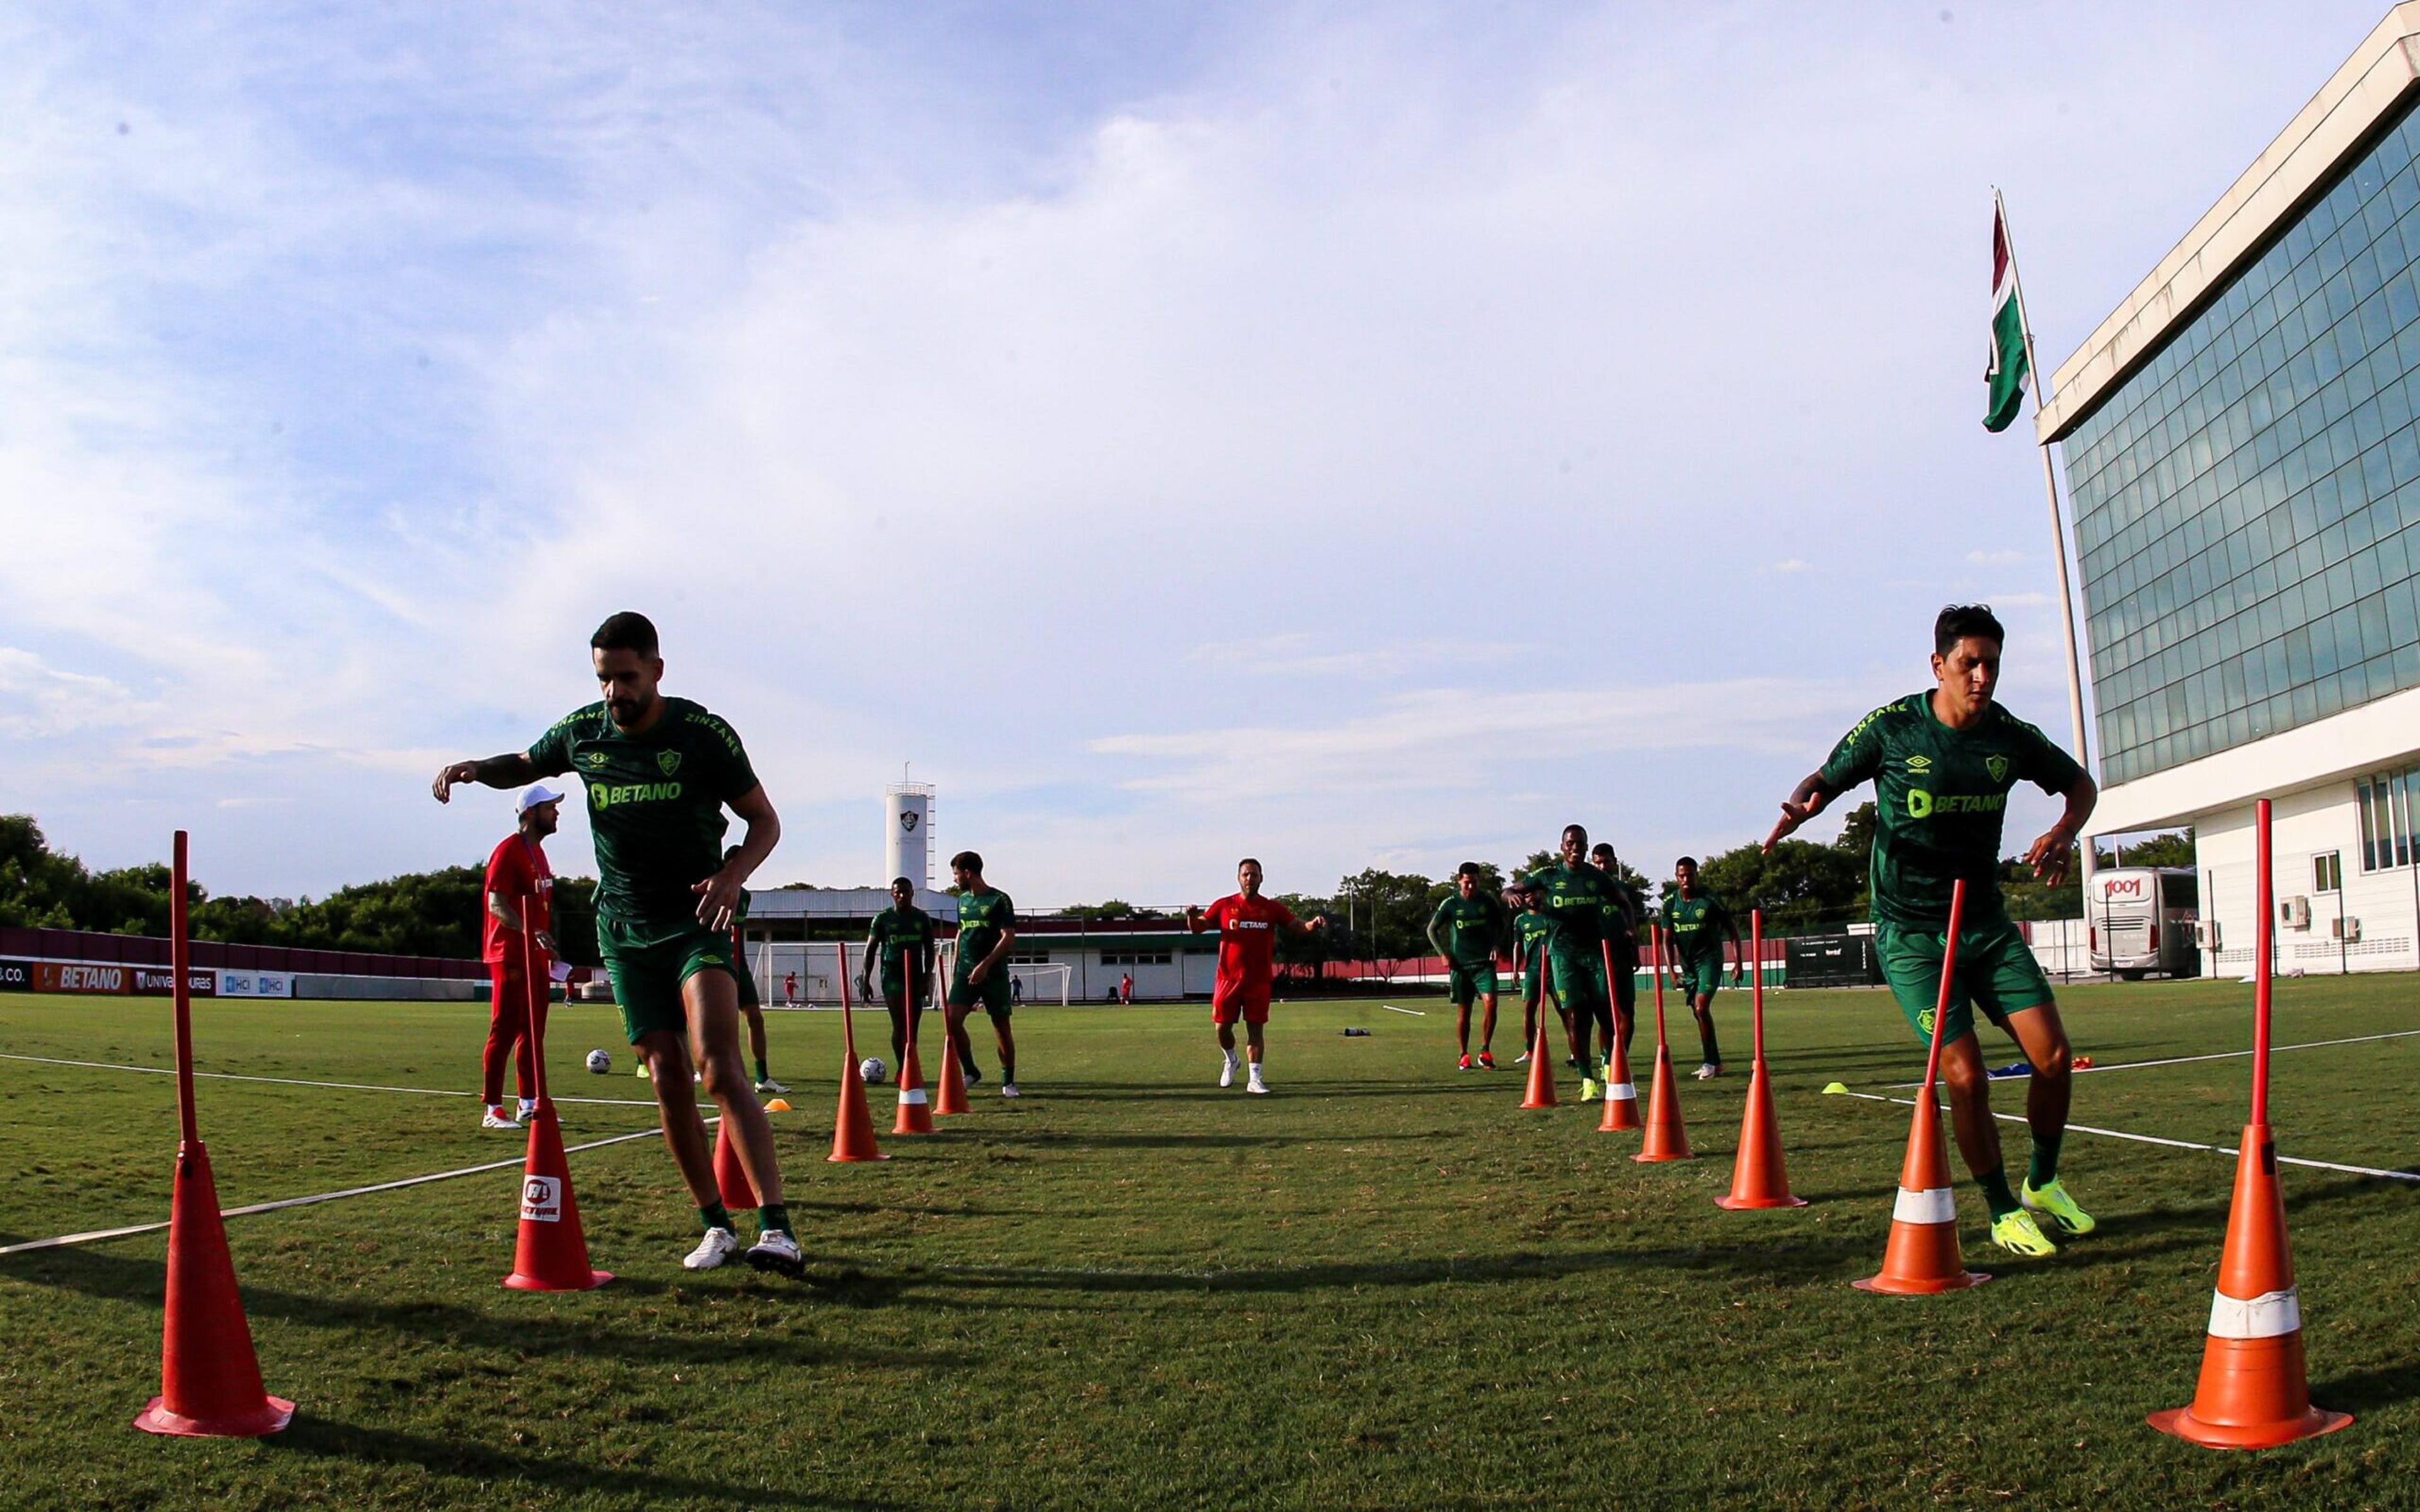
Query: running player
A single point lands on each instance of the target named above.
(1468, 929)
(1618, 917)
(986, 927)
(751, 1007)
(658, 771)
(1248, 926)
(1692, 917)
(1532, 928)
(1577, 896)
(900, 939)
(1941, 763)
(517, 886)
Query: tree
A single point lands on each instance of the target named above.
(1856, 836)
(1390, 909)
(2173, 849)
(1799, 884)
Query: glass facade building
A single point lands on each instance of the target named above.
(2247, 502)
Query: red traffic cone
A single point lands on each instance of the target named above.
(1666, 1138)
(730, 1176)
(209, 1378)
(853, 1129)
(915, 1112)
(2254, 1393)
(1759, 1177)
(1922, 1255)
(952, 1099)
(1542, 1067)
(1620, 1092)
(551, 1253)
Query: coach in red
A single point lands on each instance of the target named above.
(1248, 926)
(517, 878)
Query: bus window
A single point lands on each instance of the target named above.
(2181, 890)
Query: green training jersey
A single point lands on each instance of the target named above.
(1472, 928)
(1696, 925)
(1531, 930)
(898, 930)
(655, 804)
(982, 917)
(1618, 917)
(1577, 899)
(1940, 795)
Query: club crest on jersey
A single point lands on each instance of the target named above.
(1997, 766)
(668, 761)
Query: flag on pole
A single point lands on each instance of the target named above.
(2005, 376)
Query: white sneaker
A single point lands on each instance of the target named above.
(1256, 1085)
(1227, 1072)
(714, 1248)
(529, 1108)
(776, 1251)
(1009, 1090)
(496, 1119)
(1708, 1072)
(770, 1088)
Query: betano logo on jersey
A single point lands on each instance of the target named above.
(1923, 805)
(601, 796)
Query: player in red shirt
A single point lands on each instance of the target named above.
(516, 887)
(1248, 926)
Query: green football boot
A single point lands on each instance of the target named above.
(2053, 1202)
(2017, 1233)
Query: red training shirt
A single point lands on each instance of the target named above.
(516, 870)
(1247, 943)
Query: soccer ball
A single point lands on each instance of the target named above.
(873, 1070)
(600, 1063)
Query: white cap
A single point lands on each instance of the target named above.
(534, 794)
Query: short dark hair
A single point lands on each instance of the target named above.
(1581, 829)
(1599, 848)
(1468, 869)
(627, 631)
(903, 882)
(1689, 862)
(966, 861)
(1959, 621)
(1249, 860)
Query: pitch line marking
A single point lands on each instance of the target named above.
(1415, 1012)
(290, 1081)
(2226, 1054)
(2173, 1144)
(98, 1234)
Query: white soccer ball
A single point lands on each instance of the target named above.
(600, 1063)
(873, 1070)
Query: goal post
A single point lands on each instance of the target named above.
(1044, 984)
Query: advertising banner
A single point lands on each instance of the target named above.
(76, 976)
(160, 981)
(255, 984)
(16, 976)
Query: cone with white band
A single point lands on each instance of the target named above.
(1922, 1257)
(1620, 1092)
(915, 1112)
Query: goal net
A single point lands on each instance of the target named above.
(1042, 983)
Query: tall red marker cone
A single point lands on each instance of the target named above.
(852, 1125)
(1666, 1139)
(209, 1378)
(730, 1176)
(1921, 1256)
(550, 1253)
(1759, 1177)
(1541, 1066)
(2255, 1391)
(952, 1103)
(1620, 1092)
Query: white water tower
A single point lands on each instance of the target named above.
(906, 833)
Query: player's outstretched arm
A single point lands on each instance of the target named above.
(512, 770)
(1194, 921)
(719, 895)
(2048, 856)
(1301, 930)
(1805, 802)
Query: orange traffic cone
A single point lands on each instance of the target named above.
(1760, 1178)
(739, 1193)
(2253, 1392)
(1666, 1139)
(1542, 1067)
(551, 1253)
(209, 1378)
(1922, 1255)
(853, 1130)
(915, 1113)
(953, 1099)
(1620, 1092)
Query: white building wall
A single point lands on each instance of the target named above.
(2306, 824)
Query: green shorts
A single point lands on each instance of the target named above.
(1699, 978)
(1468, 984)
(648, 963)
(1996, 972)
(1579, 979)
(993, 992)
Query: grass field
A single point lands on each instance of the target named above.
(1383, 1287)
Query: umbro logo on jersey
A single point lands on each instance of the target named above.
(595, 759)
(1919, 763)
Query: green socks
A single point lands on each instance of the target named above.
(761, 1074)
(774, 1217)
(1994, 1183)
(714, 1215)
(2043, 1169)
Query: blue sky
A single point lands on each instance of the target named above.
(1353, 435)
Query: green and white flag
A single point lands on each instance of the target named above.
(2005, 377)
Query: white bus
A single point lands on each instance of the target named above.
(2141, 919)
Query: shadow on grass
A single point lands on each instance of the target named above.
(506, 1330)
(494, 1468)
(2369, 1390)
(1057, 1138)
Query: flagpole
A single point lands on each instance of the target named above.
(2057, 536)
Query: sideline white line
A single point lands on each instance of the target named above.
(289, 1081)
(2224, 1054)
(1413, 1011)
(2173, 1144)
(65, 1239)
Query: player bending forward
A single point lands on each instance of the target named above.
(1941, 763)
(1248, 926)
(658, 771)
(1695, 921)
(987, 927)
(1468, 929)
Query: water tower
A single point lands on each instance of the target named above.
(907, 833)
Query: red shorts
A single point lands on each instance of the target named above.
(1243, 1003)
